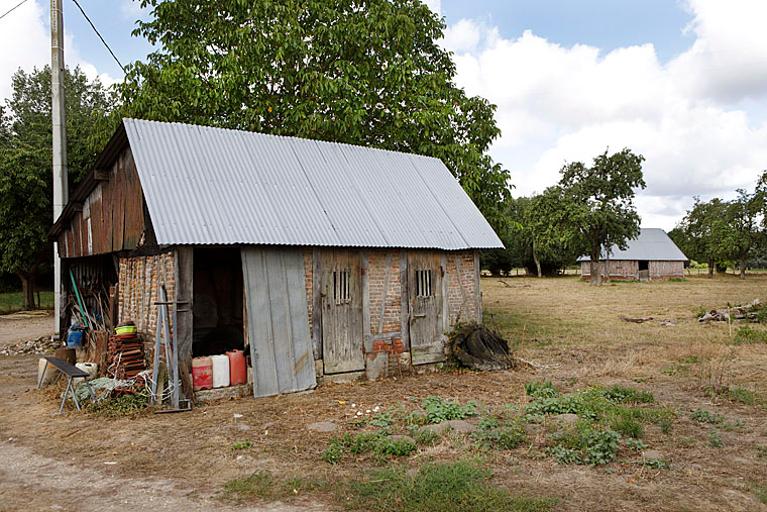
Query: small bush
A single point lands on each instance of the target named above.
(242, 445)
(400, 447)
(490, 434)
(452, 487)
(543, 389)
(438, 409)
(333, 453)
(704, 416)
(382, 420)
(655, 463)
(416, 418)
(635, 445)
(585, 445)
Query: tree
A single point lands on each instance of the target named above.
(25, 163)
(546, 226)
(744, 217)
(367, 72)
(703, 227)
(603, 202)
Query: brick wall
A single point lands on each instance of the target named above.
(462, 287)
(140, 278)
(383, 291)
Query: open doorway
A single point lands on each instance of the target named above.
(644, 265)
(218, 301)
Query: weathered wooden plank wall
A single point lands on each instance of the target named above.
(111, 218)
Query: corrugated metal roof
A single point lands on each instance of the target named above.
(207, 185)
(652, 244)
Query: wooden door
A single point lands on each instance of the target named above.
(426, 301)
(341, 294)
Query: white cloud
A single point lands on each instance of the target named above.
(558, 104)
(132, 10)
(434, 5)
(26, 43)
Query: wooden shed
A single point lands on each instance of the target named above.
(652, 255)
(320, 259)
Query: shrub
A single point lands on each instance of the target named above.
(382, 420)
(543, 389)
(399, 447)
(704, 416)
(242, 445)
(333, 453)
(125, 405)
(438, 409)
(714, 439)
(490, 434)
(655, 463)
(585, 445)
(635, 445)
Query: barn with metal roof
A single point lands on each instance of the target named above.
(652, 255)
(320, 260)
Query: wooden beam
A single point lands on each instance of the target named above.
(184, 328)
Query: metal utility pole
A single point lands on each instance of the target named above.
(58, 115)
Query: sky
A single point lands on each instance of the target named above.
(683, 82)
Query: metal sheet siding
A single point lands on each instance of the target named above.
(206, 185)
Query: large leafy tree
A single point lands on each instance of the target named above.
(25, 163)
(364, 72)
(547, 228)
(602, 196)
(744, 234)
(703, 228)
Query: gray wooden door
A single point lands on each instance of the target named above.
(426, 301)
(342, 328)
(277, 320)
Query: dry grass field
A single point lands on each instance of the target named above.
(687, 399)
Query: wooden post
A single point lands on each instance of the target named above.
(184, 317)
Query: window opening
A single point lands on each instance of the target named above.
(342, 286)
(423, 283)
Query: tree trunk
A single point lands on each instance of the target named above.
(711, 268)
(27, 289)
(742, 265)
(596, 271)
(537, 261)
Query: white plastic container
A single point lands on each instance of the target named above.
(91, 368)
(220, 371)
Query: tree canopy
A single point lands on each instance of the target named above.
(25, 163)
(368, 72)
(603, 202)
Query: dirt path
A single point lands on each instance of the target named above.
(24, 326)
(32, 482)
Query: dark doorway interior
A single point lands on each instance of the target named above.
(218, 296)
(644, 265)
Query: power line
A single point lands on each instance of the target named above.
(9, 11)
(97, 33)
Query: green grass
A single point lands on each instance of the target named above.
(760, 491)
(264, 486)
(454, 487)
(12, 301)
(750, 336)
(242, 445)
(742, 395)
